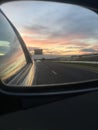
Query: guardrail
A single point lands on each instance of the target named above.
(86, 62)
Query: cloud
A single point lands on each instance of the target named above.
(81, 24)
(37, 28)
(55, 20)
(89, 50)
(49, 25)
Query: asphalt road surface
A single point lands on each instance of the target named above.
(48, 72)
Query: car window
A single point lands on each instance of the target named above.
(12, 58)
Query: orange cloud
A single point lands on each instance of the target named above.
(59, 46)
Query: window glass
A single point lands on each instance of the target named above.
(12, 57)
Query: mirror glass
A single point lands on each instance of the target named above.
(62, 40)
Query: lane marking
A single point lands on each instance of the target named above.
(54, 72)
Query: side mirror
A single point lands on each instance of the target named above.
(60, 42)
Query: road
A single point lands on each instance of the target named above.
(48, 72)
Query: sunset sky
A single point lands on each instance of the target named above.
(59, 29)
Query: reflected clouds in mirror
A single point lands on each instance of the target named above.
(55, 27)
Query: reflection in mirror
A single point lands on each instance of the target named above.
(12, 58)
(62, 40)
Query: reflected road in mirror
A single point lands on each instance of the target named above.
(55, 72)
